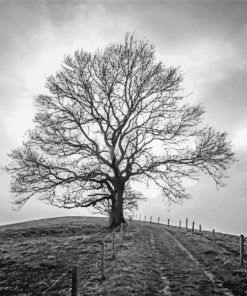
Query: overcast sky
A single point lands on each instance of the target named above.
(207, 39)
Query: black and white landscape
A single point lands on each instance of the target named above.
(123, 139)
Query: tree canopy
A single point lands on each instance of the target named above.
(114, 117)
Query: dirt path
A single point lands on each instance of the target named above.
(154, 260)
(177, 271)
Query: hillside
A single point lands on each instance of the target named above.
(154, 260)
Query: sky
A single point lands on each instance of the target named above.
(208, 39)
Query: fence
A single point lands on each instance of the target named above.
(110, 240)
(211, 238)
(98, 265)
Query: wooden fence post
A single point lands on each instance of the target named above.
(113, 246)
(241, 249)
(145, 218)
(159, 221)
(103, 261)
(186, 223)
(74, 290)
(214, 237)
(200, 231)
(150, 219)
(168, 222)
(121, 234)
(193, 225)
(179, 224)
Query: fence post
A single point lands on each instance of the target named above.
(74, 290)
(145, 218)
(121, 234)
(159, 221)
(150, 219)
(127, 228)
(168, 222)
(179, 224)
(113, 246)
(193, 225)
(241, 246)
(200, 231)
(214, 237)
(186, 223)
(103, 261)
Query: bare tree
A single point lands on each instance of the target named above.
(131, 198)
(112, 117)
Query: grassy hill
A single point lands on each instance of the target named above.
(154, 260)
(34, 254)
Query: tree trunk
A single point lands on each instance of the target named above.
(116, 215)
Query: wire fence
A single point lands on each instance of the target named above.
(238, 248)
(90, 270)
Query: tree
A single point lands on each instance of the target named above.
(114, 117)
(130, 203)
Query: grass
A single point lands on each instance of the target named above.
(222, 260)
(33, 255)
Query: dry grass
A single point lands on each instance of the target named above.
(222, 260)
(34, 254)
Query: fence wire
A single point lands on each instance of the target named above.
(89, 266)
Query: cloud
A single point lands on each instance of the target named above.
(240, 139)
(208, 39)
